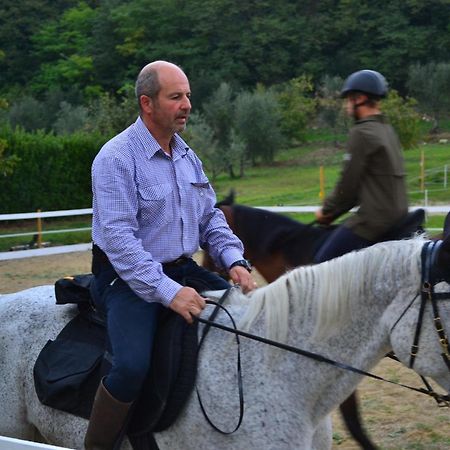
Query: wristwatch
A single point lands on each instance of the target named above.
(242, 262)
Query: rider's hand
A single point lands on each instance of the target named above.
(240, 275)
(187, 301)
(324, 219)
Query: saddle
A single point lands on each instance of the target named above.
(68, 369)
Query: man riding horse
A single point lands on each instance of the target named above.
(373, 176)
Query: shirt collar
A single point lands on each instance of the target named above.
(179, 146)
(373, 118)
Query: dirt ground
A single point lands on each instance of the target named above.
(395, 418)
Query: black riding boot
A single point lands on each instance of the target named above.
(108, 416)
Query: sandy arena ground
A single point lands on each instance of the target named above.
(395, 418)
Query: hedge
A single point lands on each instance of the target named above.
(53, 172)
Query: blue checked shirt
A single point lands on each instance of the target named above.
(149, 208)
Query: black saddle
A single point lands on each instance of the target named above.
(68, 370)
(407, 227)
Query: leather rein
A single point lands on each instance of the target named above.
(429, 279)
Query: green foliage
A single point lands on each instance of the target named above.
(403, 116)
(50, 172)
(28, 113)
(63, 46)
(8, 162)
(430, 84)
(201, 137)
(297, 107)
(257, 124)
(330, 113)
(70, 119)
(110, 114)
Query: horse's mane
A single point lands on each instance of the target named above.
(330, 290)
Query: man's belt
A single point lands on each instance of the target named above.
(100, 260)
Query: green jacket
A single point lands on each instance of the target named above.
(373, 178)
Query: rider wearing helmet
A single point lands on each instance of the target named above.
(373, 174)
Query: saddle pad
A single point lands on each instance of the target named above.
(172, 375)
(68, 371)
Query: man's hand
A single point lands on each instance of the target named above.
(324, 219)
(240, 275)
(187, 301)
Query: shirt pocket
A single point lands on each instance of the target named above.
(156, 203)
(198, 192)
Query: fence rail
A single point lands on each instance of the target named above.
(431, 210)
(7, 443)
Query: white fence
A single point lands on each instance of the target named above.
(17, 444)
(441, 209)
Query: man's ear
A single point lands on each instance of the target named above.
(146, 104)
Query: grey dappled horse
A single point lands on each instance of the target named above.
(353, 309)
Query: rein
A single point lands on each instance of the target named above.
(429, 279)
(315, 356)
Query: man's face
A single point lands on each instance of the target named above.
(171, 108)
(351, 101)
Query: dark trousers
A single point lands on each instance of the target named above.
(342, 240)
(132, 322)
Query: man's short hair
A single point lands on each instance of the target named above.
(147, 83)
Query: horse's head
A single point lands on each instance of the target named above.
(443, 257)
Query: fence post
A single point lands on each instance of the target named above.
(422, 170)
(39, 230)
(322, 183)
(445, 176)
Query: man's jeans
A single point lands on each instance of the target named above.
(342, 240)
(132, 322)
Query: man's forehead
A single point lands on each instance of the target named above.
(173, 80)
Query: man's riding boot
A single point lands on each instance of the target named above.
(107, 419)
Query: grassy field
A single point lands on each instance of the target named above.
(293, 179)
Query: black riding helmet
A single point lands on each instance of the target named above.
(367, 81)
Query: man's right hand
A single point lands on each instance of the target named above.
(187, 301)
(324, 219)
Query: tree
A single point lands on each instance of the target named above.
(330, 112)
(297, 107)
(7, 162)
(257, 124)
(430, 84)
(64, 49)
(403, 116)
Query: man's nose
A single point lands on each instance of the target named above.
(186, 104)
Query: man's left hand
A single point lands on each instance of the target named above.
(240, 275)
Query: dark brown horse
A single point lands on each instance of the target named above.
(275, 243)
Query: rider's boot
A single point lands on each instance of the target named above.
(108, 416)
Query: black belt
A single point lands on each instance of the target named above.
(99, 259)
(177, 262)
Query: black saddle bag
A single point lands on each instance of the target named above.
(68, 370)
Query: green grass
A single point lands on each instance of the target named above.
(293, 179)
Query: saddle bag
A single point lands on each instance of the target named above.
(68, 370)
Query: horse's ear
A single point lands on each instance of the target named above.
(443, 259)
(228, 200)
(447, 226)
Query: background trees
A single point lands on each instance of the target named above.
(263, 73)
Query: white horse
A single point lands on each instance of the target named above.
(353, 309)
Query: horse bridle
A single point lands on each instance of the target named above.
(431, 275)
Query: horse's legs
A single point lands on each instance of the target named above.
(350, 413)
(322, 438)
